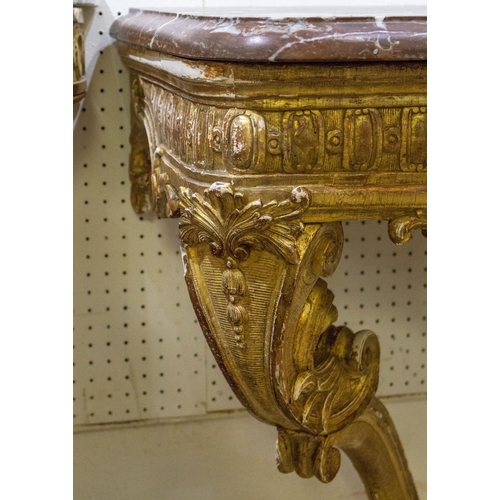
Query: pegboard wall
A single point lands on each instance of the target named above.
(138, 351)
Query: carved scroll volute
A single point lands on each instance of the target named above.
(150, 190)
(253, 275)
(325, 375)
(400, 229)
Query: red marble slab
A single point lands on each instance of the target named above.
(324, 38)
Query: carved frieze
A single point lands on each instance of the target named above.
(310, 140)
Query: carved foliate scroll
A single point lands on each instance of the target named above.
(151, 190)
(307, 454)
(253, 272)
(335, 372)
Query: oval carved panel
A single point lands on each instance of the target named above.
(241, 141)
(362, 138)
(244, 137)
(303, 138)
(414, 146)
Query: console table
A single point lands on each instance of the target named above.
(263, 134)
(82, 11)
(79, 83)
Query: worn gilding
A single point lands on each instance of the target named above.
(263, 153)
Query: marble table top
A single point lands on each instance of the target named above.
(314, 35)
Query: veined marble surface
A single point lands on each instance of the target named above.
(313, 35)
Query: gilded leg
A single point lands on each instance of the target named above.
(254, 275)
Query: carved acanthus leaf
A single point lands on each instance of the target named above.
(338, 388)
(325, 374)
(232, 227)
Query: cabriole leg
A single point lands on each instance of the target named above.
(254, 273)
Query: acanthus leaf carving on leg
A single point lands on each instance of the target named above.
(232, 229)
(237, 256)
(253, 273)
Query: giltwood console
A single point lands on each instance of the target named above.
(82, 13)
(79, 82)
(263, 135)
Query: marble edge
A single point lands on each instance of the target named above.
(275, 39)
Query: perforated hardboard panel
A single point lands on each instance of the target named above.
(138, 350)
